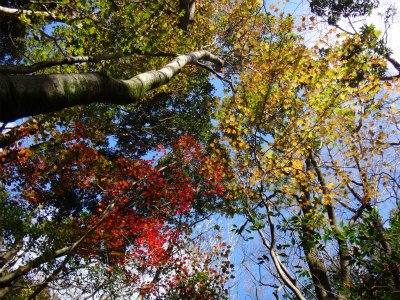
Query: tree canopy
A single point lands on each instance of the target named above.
(114, 148)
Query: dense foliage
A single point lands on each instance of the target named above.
(335, 10)
(102, 200)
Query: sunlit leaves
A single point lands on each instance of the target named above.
(69, 191)
(311, 129)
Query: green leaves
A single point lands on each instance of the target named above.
(335, 10)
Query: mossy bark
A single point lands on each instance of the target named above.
(28, 95)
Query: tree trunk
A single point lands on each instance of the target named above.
(319, 276)
(387, 247)
(343, 248)
(27, 95)
(318, 271)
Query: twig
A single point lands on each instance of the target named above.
(71, 249)
(216, 74)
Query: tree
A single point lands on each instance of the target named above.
(75, 41)
(307, 137)
(73, 195)
(352, 17)
(25, 96)
(12, 35)
(311, 140)
(85, 202)
(334, 10)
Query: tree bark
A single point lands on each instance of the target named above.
(27, 95)
(189, 6)
(387, 247)
(17, 11)
(319, 274)
(22, 69)
(343, 248)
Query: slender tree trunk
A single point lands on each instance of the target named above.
(318, 271)
(387, 247)
(343, 248)
(319, 274)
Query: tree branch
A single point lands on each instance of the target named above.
(189, 7)
(216, 74)
(14, 134)
(394, 62)
(343, 248)
(27, 95)
(70, 60)
(279, 267)
(110, 207)
(28, 12)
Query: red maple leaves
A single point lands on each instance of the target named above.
(132, 207)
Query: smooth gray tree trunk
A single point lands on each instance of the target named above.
(28, 95)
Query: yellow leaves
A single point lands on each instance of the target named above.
(288, 104)
(242, 145)
(327, 200)
(298, 164)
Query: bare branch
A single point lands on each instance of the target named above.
(216, 74)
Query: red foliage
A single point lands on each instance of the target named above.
(77, 182)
